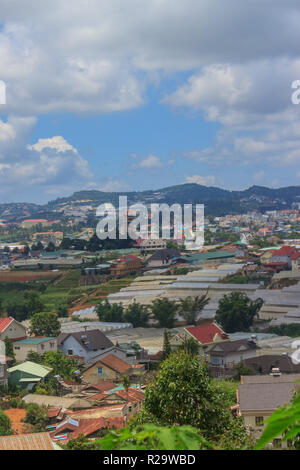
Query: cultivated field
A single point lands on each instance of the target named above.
(26, 276)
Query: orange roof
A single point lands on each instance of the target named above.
(86, 426)
(38, 441)
(113, 362)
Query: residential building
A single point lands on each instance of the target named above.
(72, 427)
(12, 329)
(110, 368)
(84, 345)
(266, 363)
(40, 345)
(295, 259)
(27, 374)
(205, 335)
(226, 354)
(126, 265)
(260, 395)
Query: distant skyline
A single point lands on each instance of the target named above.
(129, 95)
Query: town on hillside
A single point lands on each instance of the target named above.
(92, 334)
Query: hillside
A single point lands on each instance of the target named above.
(217, 201)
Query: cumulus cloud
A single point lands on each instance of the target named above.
(151, 161)
(50, 163)
(101, 57)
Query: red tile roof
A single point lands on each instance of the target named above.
(4, 322)
(295, 256)
(205, 333)
(285, 251)
(86, 426)
(113, 362)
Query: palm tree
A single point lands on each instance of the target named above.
(190, 307)
(191, 346)
(126, 383)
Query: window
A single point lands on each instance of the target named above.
(100, 370)
(259, 420)
(277, 443)
(70, 352)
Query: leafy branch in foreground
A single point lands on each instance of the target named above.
(152, 437)
(284, 423)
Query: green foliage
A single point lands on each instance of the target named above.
(284, 422)
(37, 416)
(164, 311)
(190, 307)
(45, 324)
(62, 310)
(125, 381)
(190, 346)
(166, 345)
(137, 314)
(236, 312)
(152, 437)
(80, 443)
(21, 309)
(9, 348)
(5, 429)
(241, 369)
(61, 365)
(292, 329)
(110, 312)
(184, 394)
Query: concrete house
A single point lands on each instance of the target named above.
(11, 328)
(260, 395)
(40, 345)
(110, 368)
(226, 354)
(205, 335)
(84, 345)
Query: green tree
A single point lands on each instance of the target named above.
(236, 312)
(191, 307)
(45, 324)
(5, 429)
(61, 364)
(166, 345)
(190, 345)
(137, 314)
(33, 302)
(62, 310)
(9, 348)
(34, 356)
(164, 311)
(109, 312)
(37, 416)
(184, 394)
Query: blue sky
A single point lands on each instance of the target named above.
(141, 95)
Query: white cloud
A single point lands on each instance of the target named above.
(209, 180)
(50, 163)
(99, 56)
(151, 161)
